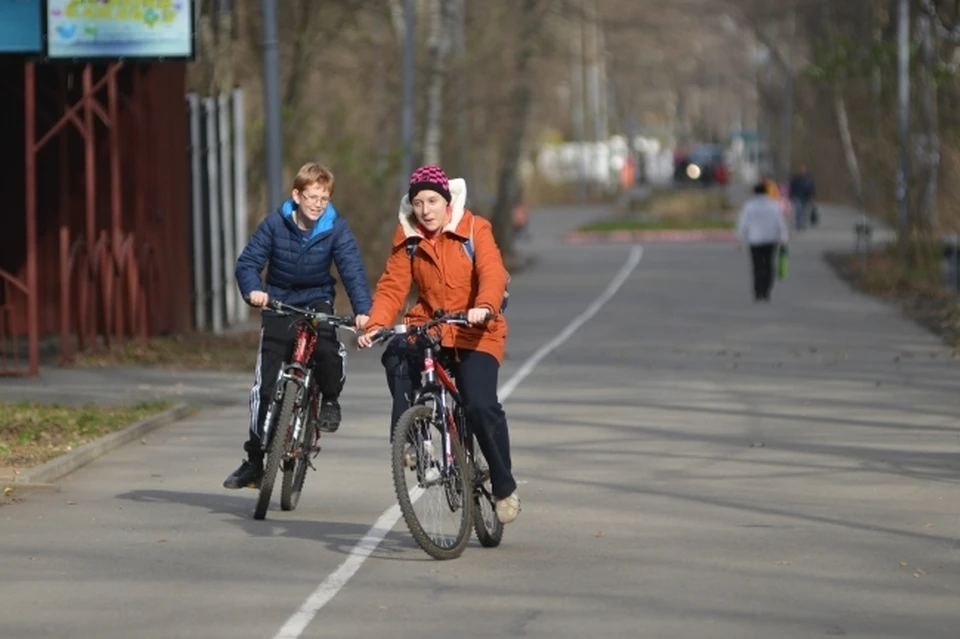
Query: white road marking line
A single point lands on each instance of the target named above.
(330, 586)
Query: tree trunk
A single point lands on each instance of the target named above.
(931, 147)
(843, 122)
(380, 94)
(508, 179)
(443, 18)
(846, 141)
(396, 16)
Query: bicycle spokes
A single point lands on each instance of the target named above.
(433, 493)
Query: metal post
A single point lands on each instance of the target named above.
(239, 188)
(586, 64)
(226, 186)
(30, 156)
(216, 215)
(199, 265)
(955, 264)
(115, 310)
(406, 123)
(463, 153)
(788, 99)
(64, 224)
(577, 110)
(271, 103)
(903, 100)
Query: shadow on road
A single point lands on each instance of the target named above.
(339, 537)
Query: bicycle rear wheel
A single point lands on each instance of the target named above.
(283, 429)
(486, 524)
(422, 485)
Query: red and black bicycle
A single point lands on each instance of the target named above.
(438, 467)
(290, 438)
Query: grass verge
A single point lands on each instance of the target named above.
(692, 209)
(918, 292)
(33, 433)
(612, 225)
(197, 351)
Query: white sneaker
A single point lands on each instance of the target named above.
(409, 456)
(508, 508)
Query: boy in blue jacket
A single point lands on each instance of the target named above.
(301, 240)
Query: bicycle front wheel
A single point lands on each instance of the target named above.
(296, 473)
(283, 429)
(437, 503)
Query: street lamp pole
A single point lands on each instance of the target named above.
(273, 130)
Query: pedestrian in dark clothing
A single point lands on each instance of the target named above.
(802, 193)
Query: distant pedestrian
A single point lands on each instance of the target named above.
(802, 192)
(761, 227)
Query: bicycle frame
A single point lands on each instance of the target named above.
(298, 370)
(438, 385)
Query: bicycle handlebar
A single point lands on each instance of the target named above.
(340, 321)
(456, 319)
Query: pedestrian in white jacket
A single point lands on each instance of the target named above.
(761, 226)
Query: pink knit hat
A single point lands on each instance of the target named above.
(430, 178)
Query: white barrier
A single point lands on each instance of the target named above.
(218, 171)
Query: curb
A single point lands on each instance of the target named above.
(648, 236)
(47, 474)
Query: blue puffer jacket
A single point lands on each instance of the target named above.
(299, 272)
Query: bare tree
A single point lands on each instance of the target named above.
(529, 20)
(443, 18)
(836, 80)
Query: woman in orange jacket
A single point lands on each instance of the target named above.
(456, 266)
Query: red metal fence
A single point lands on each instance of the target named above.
(99, 190)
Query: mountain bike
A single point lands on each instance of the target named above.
(436, 423)
(290, 438)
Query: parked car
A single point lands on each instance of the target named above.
(703, 165)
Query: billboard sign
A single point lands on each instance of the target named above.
(79, 29)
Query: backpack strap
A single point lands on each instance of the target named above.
(468, 245)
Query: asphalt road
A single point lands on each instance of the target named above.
(691, 464)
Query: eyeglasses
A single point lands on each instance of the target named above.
(315, 199)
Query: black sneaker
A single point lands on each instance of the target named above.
(329, 416)
(247, 476)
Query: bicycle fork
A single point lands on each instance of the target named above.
(443, 415)
(302, 384)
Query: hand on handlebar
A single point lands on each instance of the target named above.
(366, 340)
(479, 316)
(259, 299)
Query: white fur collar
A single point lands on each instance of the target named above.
(458, 190)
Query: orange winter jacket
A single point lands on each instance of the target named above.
(446, 277)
